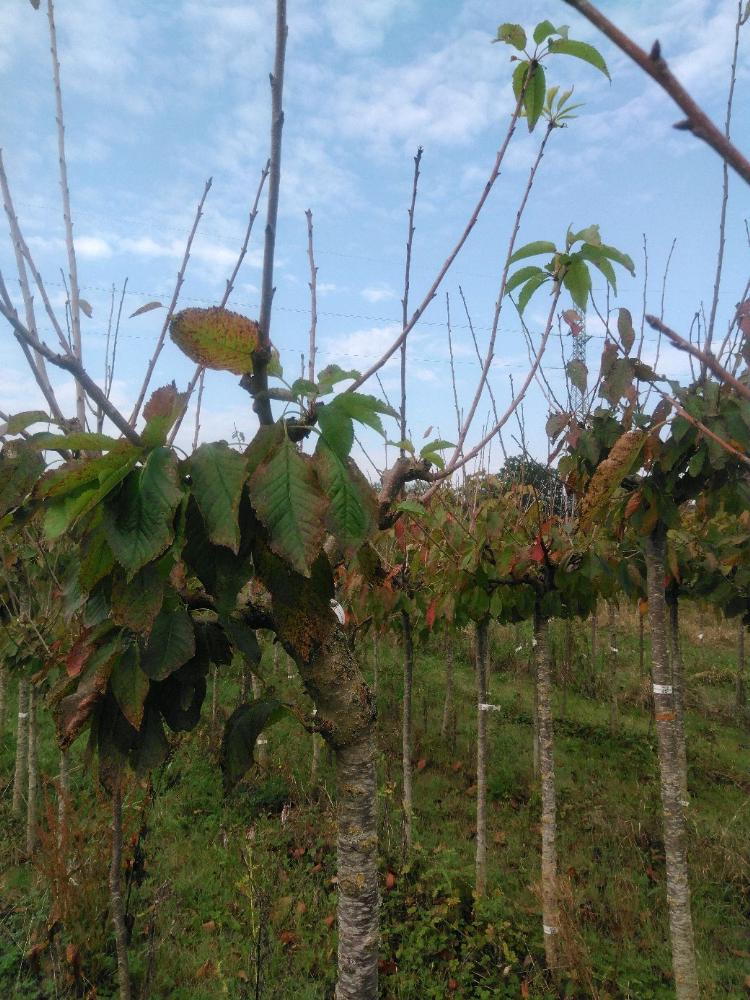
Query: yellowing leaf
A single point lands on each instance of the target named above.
(216, 338)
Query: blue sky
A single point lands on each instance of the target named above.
(160, 95)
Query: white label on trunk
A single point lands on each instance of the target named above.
(483, 707)
(338, 611)
(549, 930)
(662, 688)
(23, 715)
(262, 741)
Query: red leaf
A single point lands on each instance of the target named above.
(430, 616)
(525, 990)
(537, 551)
(79, 653)
(421, 764)
(390, 881)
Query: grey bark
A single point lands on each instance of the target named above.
(448, 702)
(375, 668)
(740, 692)
(535, 731)
(63, 802)
(612, 657)
(407, 728)
(261, 744)
(547, 774)
(678, 686)
(115, 896)
(33, 775)
(481, 666)
(675, 847)
(3, 697)
(594, 649)
(22, 747)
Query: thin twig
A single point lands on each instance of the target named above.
(703, 356)
(172, 305)
(697, 120)
(75, 309)
(405, 299)
(313, 285)
(198, 409)
(730, 449)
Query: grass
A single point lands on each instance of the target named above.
(223, 889)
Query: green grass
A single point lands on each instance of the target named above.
(225, 886)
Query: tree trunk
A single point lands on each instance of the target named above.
(678, 688)
(63, 802)
(612, 655)
(33, 775)
(535, 731)
(3, 697)
(406, 727)
(261, 744)
(547, 771)
(594, 649)
(448, 703)
(375, 668)
(678, 887)
(641, 643)
(20, 779)
(481, 663)
(740, 692)
(115, 895)
(214, 703)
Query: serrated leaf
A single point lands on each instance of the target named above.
(519, 78)
(625, 329)
(581, 50)
(352, 513)
(18, 422)
(216, 338)
(612, 253)
(404, 445)
(243, 727)
(411, 507)
(436, 445)
(148, 307)
(536, 90)
(165, 405)
(577, 280)
(171, 643)
(578, 374)
(77, 441)
(336, 428)
(130, 685)
(287, 498)
(533, 249)
(137, 602)
(543, 30)
(521, 276)
(304, 387)
(218, 475)
(20, 468)
(556, 424)
(590, 234)
(96, 561)
(138, 519)
(512, 34)
(364, 409)
(528, 290)
(332, 375)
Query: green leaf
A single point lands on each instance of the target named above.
(138, 519)
(96, 561)
(528, 290)
(77, 441)
(543, 30)
(171, 643)
(160, 412)
(536, 90)
(532, 250)
(287, 498)
(364, 409)
(153, 747)
(404, 445)
(601, 263)
(625, 329)
(518, 79)
(578, 374)
(20, 467)
(352, 513)
(411, 507)
(521, 276)
(512, 34)
(243, 728)
(304, 387)
(578, 282)
(581, 50)
(332, 375)
(130, 685)
(244, 640)
(18, 422)
(136, 603)
(216, 338)
(612, 253)
(556, 424)
(218, 474)
(436, 445)
(590, 234)
(336, 428)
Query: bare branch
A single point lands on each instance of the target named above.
(313, 298)
(730, 449)
(405, 299)
(172, 305)
(703, 356)
(75, 310)
(196, 433)
(68, 363)
(697, 120)
(258, 382)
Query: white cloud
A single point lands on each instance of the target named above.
(362, 27)
(92, 247)
(379, 293)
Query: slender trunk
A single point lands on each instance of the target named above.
(567, 666)
(481, 663)
(535, 731)
(244, 681)
(315, 763)
(641, 643)
(63, 802)
(678, 887)
(33, 775)
(406, 726)
(594, 649)
(115, 896)
(214, 703)
(22, 747)
(448, 703)
(3, 697)
(613, 653)
(549, 807)
(740, 693)
(357, 871)
(678, 688)
(375, 668)
(261, 744)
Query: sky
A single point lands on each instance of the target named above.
(161, 95)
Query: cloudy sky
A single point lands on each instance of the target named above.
(161, 94)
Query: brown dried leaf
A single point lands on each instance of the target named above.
(610, 473)
(148, 307)
(86, 308)
(216, 338)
